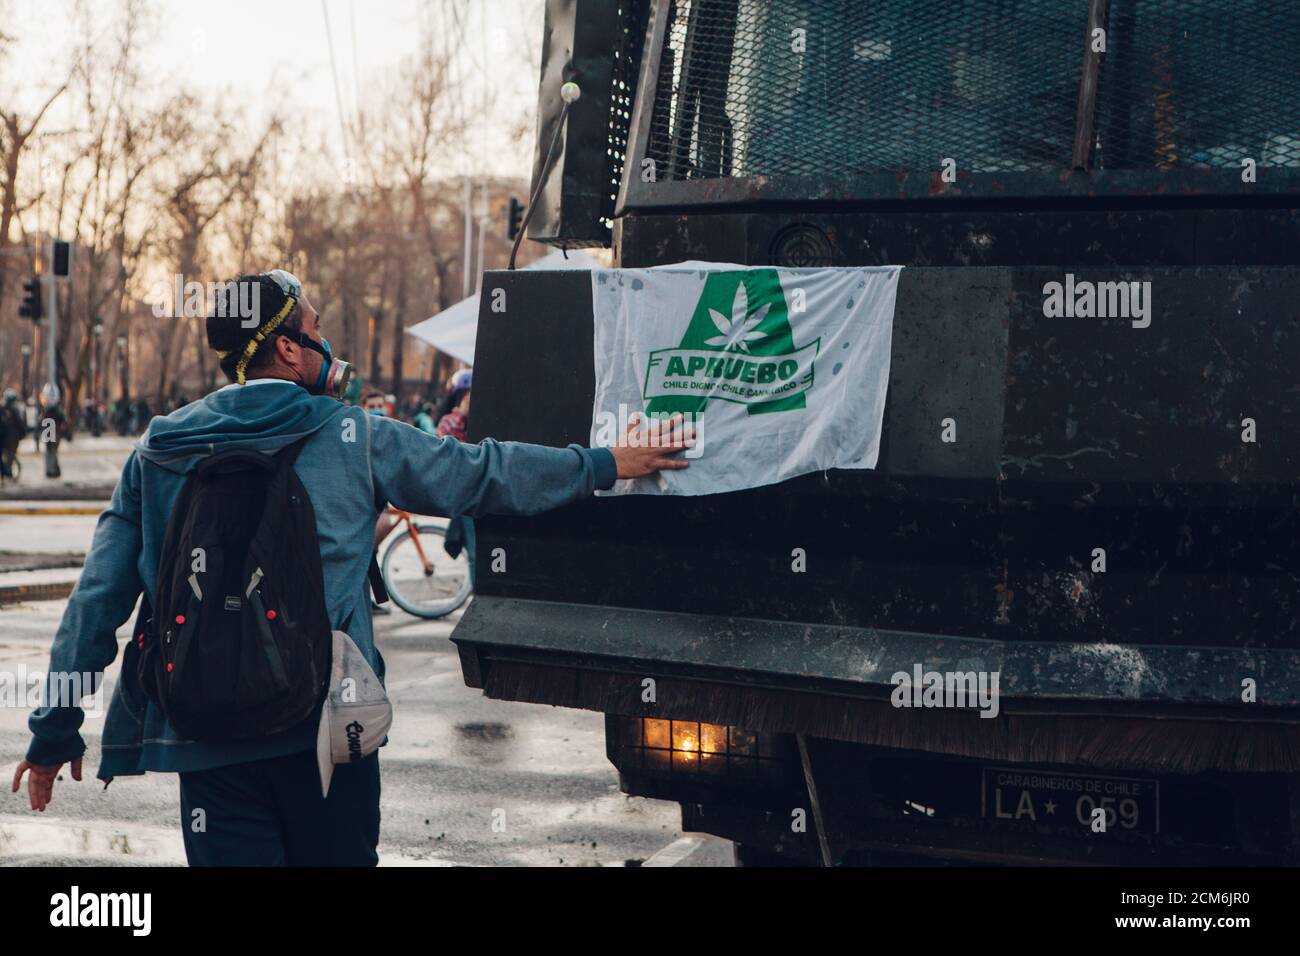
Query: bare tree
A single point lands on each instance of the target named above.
(208, 171)
(157, 177)
(414, 141)
(96, 190)
(15, 133)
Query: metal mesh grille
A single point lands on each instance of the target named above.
(689, 747)
(633, 15)
(843, 87)
(1199, 83)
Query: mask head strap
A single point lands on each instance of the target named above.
(261, 335)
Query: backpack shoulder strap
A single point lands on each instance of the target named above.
(285, 458)
(233, 460)
(287, 455)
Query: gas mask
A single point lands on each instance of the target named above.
(335, 374)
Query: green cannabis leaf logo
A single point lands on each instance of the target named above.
(738, 331)
(749, 359)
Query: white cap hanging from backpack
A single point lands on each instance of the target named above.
(356, 714)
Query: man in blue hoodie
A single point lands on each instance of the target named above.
(261, 800)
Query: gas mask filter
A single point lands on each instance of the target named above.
(335, 374)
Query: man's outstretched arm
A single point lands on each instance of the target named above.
(428, 475)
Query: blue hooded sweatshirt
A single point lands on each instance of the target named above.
(351, 462)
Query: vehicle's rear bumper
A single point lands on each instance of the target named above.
(1150, 707)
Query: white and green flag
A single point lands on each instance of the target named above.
(781, 371)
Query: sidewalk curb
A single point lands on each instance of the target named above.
(19, 561)
(29, 492)
(21, 593)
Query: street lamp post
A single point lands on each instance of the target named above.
(124, 409)
(51, 414)
(480, 213)
(124, 367)
(49, 405)
(27, 361)
(95, 424)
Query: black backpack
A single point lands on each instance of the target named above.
(239, 643)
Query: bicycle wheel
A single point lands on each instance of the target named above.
(433, 591)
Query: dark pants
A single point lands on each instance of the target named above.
(271, 813)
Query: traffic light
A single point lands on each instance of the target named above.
(62, 257)
(514, 216)
(31, 305)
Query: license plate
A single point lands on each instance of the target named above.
(1070, 800)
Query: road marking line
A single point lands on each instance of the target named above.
(675, 853)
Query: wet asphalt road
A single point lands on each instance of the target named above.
(454, 757)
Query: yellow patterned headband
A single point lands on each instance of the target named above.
(256, 341)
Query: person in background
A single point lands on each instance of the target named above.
(374, 404)
(34, 422)
(453, 424)
(423, 419)
(13, 426)
(141, 413)
(455, 411)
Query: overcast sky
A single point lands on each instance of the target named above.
(244, 48)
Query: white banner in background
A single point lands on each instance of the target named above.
(782, 371)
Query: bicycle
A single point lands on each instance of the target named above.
(421, 578)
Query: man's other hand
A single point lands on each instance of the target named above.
(642, 452)
(40, 785)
